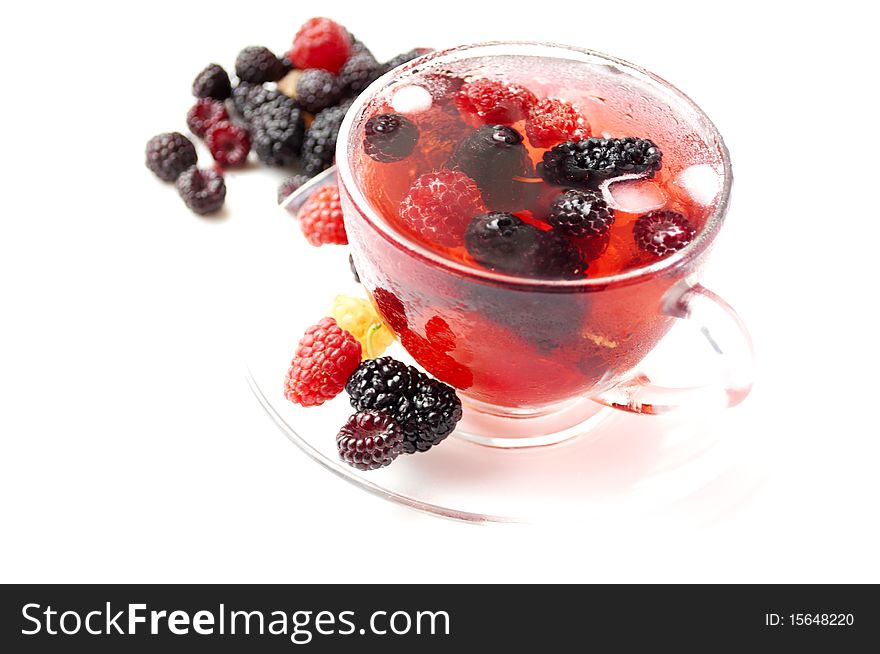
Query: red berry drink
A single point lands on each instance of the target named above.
(518, 213)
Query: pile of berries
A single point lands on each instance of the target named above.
(523, 186)
(398, 409)
(286, 109)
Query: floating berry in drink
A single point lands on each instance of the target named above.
(587, 162)
(489, 101)
(496, 159)
(390, 137)
(439, 206)
(579, 212)
(552, 121)
(501, 241)
(663, 232)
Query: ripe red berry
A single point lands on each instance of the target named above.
(229, 144)
(370, 440)
(439, 206)
(320, 218)
(325, 358)
(205, 113)
(486, 101)
(663, 232)
(552, 121)
(321, 43)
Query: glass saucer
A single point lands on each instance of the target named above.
(616, 465)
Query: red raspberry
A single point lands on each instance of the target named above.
(325, 358)
(663, 232)
(391, 309)
(486, 101)
(369, 440)
(320, 218)
(439, 206)
(205, 113)
(553, 121)
(229, 144)
(321, 43)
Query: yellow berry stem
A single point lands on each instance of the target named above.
(376, 326)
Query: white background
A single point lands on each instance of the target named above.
(132, 449)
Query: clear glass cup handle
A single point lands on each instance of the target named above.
(728, 340)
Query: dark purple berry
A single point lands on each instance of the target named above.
(358, 72)
(319, 146)
(317, 89)
(503, 242)
(203, 191)
(169, 154)
(587, 162)
(581, 213)
(256, 64)
(426, 409)
(390, 137)
(663, 232)
(212, 82)
(369, 440)
(277, 128)
(496, 159)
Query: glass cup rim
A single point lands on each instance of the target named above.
(679, 259)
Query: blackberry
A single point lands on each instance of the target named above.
(247, 98)
(358, 72)
(212, 82)
(581, 213)
(369, 440)
(317, 89)
(354, 272)
(289, 185)
(278, 128)
(390, 137)
(426, 409)
(403, 58)
(663, 232)
(503, 242)
(256, 64)
(319, 146)
(169, 154)
(203, 191)
(496, 159)
(587, 162)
